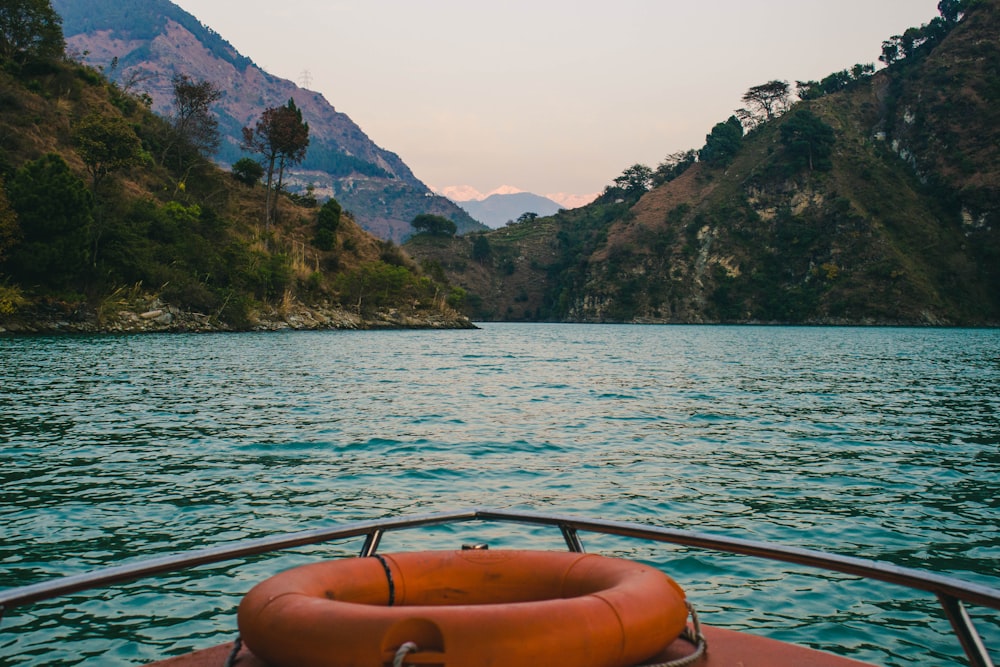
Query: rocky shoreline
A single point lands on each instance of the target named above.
(154, 316)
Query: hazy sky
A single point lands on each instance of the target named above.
(550, 96)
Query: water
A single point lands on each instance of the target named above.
(879, 443)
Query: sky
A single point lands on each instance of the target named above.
(555, 97)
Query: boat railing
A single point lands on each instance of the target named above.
(952, 594)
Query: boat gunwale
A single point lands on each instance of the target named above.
(950, 591)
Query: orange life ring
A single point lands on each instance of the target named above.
(464, 609)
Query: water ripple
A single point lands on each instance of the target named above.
(880, 443)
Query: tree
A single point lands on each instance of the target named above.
(373, 285)
(281, 137)
(673, 166)
(435, 225)
(30, 30)
(723, 143)
(891, 51)
(766, 101)
(10, 231)
(481, 249)
(808, 141)
(54, 209)
(194, 125)
(527, 216)
(951, 10)
(811, 90)
(635, 180)
(106, 144)
(247, 171)
(327, 223)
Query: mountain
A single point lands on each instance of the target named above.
(143, 44)
(873, 200)
(499, 209)
(112, 221)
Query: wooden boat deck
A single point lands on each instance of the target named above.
(726, 648)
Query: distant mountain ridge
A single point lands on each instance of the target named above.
(144, 43)
(464, 193)
(499, 209)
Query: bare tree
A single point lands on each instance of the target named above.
(194, 124)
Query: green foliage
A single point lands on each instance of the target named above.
(918, 42)
(10, 232)
(723, 143)
(268, 275)
(30, 30)
(184, 217)
(673, 166)
(481, 249)
(11, 298)
(433, 268)
(376, 284)
(107, 144)
(179, 248)
(247, 171)
(808, 141)
(951, 10)
(435, 225)
(832, 83)
(327, 223)
(635, 181)
(456, 298)
(54, 209)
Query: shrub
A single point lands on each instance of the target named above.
(327, 223)
(247, 171)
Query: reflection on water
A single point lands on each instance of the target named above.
(880, 443)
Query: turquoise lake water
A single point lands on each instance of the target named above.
(870, 442)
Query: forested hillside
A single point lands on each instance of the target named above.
(143, 44)
(115, 219)
(871, 196)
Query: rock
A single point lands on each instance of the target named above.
(152, 315)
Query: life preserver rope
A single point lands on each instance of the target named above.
(402, 652)
(692, 635)
(388, 578)
(469, 607)
(231, 658)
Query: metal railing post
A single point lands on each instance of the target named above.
(372, 541)
(971, 642)
(572, 538)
